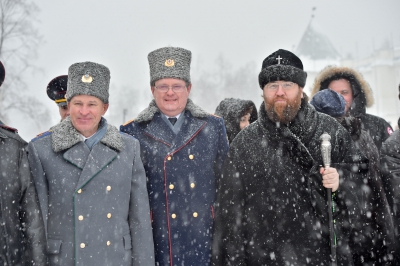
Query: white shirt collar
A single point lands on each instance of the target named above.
(177, 116)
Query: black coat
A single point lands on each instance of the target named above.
(374, 204)
(390, 167)
(22, 240)
(231, 110)
(271, 205)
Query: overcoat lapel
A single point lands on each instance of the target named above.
(98, 159)
(91, 162)
(77, 154)
(160, 131)
(190, 127)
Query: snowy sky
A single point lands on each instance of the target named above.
(120, 34)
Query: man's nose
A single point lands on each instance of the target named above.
(84, 110)
(280, 90)
(170, 91)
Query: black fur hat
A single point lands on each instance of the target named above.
(2, 73)
(282, 65)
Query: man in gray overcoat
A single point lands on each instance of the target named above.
(91, 181)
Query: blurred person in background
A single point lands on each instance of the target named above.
(56, 90)
(237, 115)
(358, 96)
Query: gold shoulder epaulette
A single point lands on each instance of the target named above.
(130, 121)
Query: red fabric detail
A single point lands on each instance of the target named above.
(9, 128)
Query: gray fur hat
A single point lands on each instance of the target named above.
(88, 78)
(169, 62)
(282, 65)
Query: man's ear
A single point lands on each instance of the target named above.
(106, 105)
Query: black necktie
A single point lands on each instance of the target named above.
(173, 120)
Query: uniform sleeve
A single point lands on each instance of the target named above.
(31, 217)
(39, 178)
(139, 215)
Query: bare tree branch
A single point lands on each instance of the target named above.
(19, 40)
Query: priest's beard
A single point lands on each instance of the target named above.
(283, 112)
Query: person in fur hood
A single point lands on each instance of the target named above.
(237, 115)
(271, 206)
(182, 148)
(91, 181)
(358, 96)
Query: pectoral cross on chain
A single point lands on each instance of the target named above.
(279, 59)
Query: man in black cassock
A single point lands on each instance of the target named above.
(271, 206)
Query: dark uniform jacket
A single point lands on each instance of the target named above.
(271, 204)
(22, 239)
(232, 110)
(390, 167)
(377, 127)
(95, 202)
(181, 171)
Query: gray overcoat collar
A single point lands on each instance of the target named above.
(65, 136)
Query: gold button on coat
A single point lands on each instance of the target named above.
(173, 216)
(108, 215)
(169, 158)
(80, 217)
(171, 186)
(191, 156)
(192, 185)
(108, 243)
(79, 191)
(108, 188)
(82, 245)
(195, 214)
